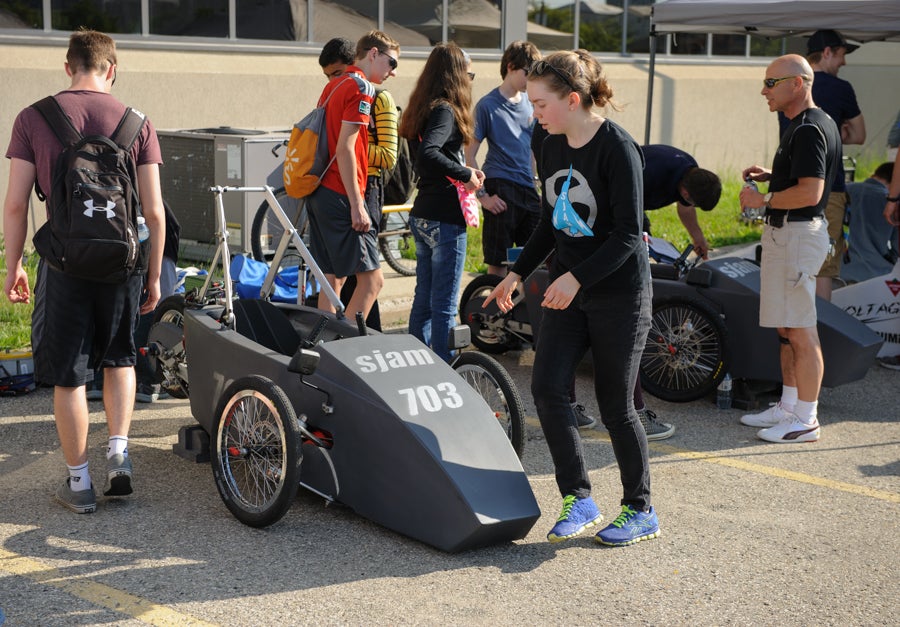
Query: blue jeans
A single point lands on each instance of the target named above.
(440, 256)
(614, 327)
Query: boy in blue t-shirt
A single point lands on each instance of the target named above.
(509, 199)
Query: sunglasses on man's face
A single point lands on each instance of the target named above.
(391, 60)
(541, 67)
(771, 82)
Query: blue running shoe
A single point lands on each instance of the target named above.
(576, 516)
(629, 527)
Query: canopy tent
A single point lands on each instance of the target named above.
(858, 20)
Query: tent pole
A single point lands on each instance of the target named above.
(650, 87)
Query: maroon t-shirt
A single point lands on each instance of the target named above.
(92, 113)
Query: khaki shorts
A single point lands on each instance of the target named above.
(790, 257)
(834, 213)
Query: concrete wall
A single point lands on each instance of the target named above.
(713, 109)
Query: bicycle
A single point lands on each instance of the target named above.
(395, 240)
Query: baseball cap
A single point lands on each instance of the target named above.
(822, 39)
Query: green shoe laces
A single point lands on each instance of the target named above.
(623, 518)
(568, 503)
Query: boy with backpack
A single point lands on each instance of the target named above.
(343, 234)
(88, 290)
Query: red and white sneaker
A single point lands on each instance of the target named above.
(791, 429)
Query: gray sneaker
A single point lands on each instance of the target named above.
(584, 420)
(82, 502)
(655, 429)
(118, 476)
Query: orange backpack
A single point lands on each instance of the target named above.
(307, 158)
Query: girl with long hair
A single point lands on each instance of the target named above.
(438, 122)
(599, 294)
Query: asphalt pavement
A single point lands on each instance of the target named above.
(752, 533)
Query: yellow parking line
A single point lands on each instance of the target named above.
(781, 473)
(96, 593)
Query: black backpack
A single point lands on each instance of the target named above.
(91, 229)
(399, 181)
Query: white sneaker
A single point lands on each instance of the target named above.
(790, 430)
(769, 418)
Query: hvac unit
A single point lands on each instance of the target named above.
(195, 160)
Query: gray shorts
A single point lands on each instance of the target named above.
(791, 257)
(336, 247)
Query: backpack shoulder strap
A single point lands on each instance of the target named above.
(129, 128)
(58, 121)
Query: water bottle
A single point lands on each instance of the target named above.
(143, 231)
(723, 393)
(751, 214)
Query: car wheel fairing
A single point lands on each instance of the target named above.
(684, 357)
(167, 334)
(496, 387)
(256, 451)
(488, 337)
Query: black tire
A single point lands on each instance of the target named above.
(255, 451)
(493, 383)
(266, 230)
(398, 249)
(488, 339)
(685, 355)
(171, 311)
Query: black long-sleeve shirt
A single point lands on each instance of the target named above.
(607, 193)
(439, 155)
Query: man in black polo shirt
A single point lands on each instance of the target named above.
(794, 245)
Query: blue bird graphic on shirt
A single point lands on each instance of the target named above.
(565, 218)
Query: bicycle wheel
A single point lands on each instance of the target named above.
(167, 333)
(256, 451)
(395, 241)
(496, 387)
(685, 354)
(266, 230)
(488, 326)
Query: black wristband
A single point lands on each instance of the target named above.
(893, 199)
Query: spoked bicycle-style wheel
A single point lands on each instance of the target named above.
(256, 451)
(684, 357)
(497, 388)
(266, 230)
(395, 241)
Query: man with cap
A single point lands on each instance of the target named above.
(826, 50)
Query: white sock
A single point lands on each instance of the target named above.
(788, 397)
(79, 478)
(806, 411)
(118, 445)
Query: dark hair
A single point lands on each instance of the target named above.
(521, 54)
(90, 51)
(375, 39)
(444, 79)
(885, 171)
(704, 188)
(337, 50)
(583, 75)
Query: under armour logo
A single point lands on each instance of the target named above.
(92, 208)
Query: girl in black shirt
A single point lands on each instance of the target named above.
(599, 295)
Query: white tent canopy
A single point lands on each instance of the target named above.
(857, 20)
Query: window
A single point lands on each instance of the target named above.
(191, 18)
(21, 14)
(108, 16)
